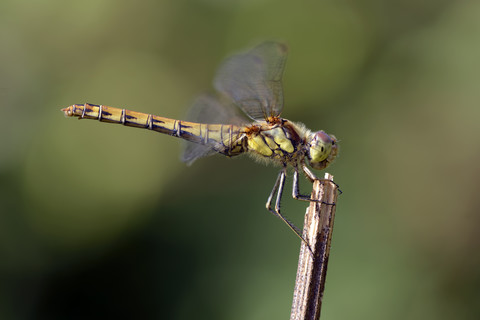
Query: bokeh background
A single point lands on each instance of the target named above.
(103, 221)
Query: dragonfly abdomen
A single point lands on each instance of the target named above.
(225, 139)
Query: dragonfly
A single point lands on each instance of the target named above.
(249, 81)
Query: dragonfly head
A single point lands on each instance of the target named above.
(323, 150)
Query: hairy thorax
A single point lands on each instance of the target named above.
(282, 141)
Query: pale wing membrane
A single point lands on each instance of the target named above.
(210, 110)
(253, 80)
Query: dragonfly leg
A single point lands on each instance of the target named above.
(296, 188)
(311, 176)
(275, 188)
(278, 187)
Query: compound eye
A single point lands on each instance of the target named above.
(323, 137)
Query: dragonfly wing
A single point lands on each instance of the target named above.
(194, 151)
(210, 110)
(253, 80)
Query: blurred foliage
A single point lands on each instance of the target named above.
(104, 221)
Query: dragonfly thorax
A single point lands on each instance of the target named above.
(281, 142)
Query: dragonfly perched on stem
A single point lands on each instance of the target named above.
(252, 81)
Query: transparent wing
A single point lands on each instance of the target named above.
(253, 80)
(210, 110)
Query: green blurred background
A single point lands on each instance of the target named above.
(103, 221)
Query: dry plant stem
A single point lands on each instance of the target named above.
(312, 269)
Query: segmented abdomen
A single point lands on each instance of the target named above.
(223, 138)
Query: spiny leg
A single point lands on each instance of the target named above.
(275, 188)
(296, 188)
(311, 176)
(278, 187)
